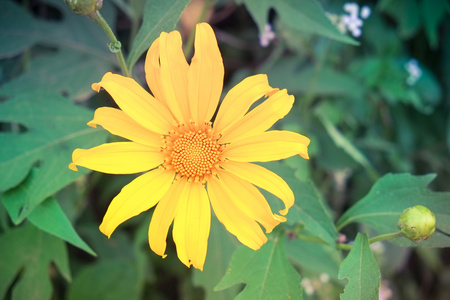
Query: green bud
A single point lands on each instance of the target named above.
(84, 7)
(417, 223)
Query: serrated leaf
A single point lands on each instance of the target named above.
(266, 272)
(307, 16)
(221, 245)
(309, 208)
(159, 16)
(109, 280)
(390, 196)
(47, 214)
(362, 272)
(41, 154)
(29, 251)
(315, 257)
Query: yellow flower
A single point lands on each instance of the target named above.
(192, 164)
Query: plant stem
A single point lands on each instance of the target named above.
(382, 237)
(115, 45)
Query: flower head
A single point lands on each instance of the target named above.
(192, 161)
(414, 71)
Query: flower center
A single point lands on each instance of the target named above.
(192, 152)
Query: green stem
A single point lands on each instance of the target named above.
(382, 237)
(115, 45)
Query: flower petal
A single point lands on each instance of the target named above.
(118, 158)
(268, 146)
(136, 102)
(249, 200)
(239, 99)
(235, 221)
(119, 123)
(174, 70)
(205, 76)
(162, 218)
(192, 224)
(260, 118)
(153, 71)
(264, 179)
(139, 195)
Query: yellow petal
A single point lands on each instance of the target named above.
(268, 146)
(205, 76)
(119, 123)
(192, 224)
(260, 118)
(264, 179)
(174, 70)
(118, 158)
(249, 200)
(153, 71)
(139, 195)
(239, 99)
(136, 102)
(247, 231)
(162, 218)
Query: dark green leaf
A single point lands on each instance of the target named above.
(29, 252)
(433, 13)
(53, 129)
(390, 196)
(108, 280)
(266, 272)
(161, 15)
(221, 245)
(406, 13)
(47, 214)
(362, 272)
(307, 16)
(309, 208)
(315, 257)
(287, 73)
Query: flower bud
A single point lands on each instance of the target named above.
(84, 7)
(417, 223)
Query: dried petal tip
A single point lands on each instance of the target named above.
(417, 223)
(84, 7)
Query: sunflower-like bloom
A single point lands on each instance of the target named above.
(191, 163)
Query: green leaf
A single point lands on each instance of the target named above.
(266, 272)
(406, 13)
(343, 142)
(221, 245)
(18, 30)
(66, 72)
(315, 257)
(40, 155)
(309, 208)
(390, 196)
(47, 214)
(288, 73)
(161, 15)
(28, 252)
(109, 280)
(362, 272)
(307, 16)
(433, 13)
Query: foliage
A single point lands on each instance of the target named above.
(376, 108)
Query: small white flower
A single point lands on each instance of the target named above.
(267, 36)
(352, 8)
(365, 12)
(414, 71)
